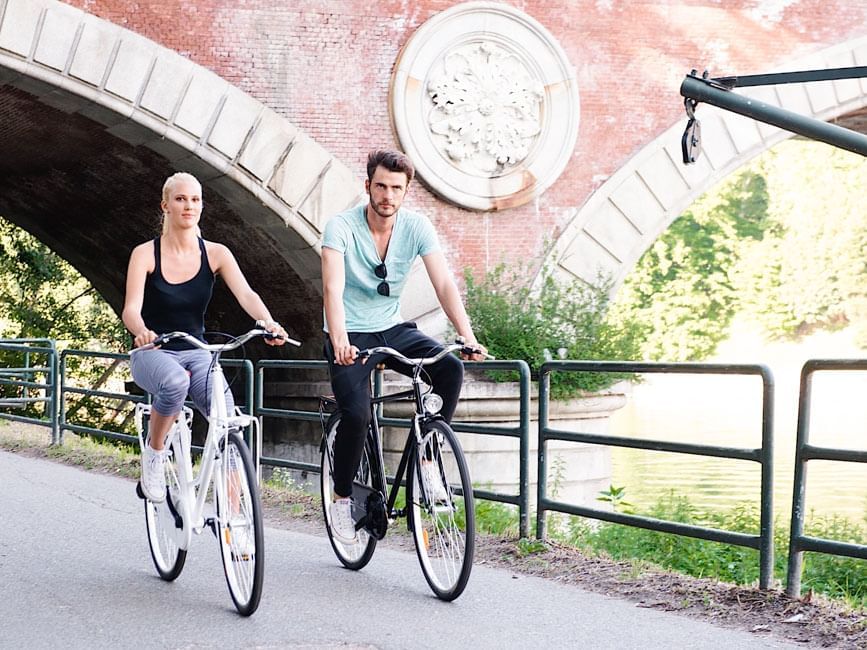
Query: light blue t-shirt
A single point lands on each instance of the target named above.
(348, 233)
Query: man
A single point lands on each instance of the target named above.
(367, 252)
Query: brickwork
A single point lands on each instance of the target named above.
(326, 67)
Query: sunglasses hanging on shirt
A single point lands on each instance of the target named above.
(382, 272)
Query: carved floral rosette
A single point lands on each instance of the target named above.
(485, 103)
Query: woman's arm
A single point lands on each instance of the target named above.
(227, 267)
(140, 263)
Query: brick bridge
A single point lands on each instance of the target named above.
(274, 107)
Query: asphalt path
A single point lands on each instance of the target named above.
(76, 572)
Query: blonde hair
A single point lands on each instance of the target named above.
(168, 186)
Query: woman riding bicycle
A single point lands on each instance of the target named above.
(367, 253)
(168, 287)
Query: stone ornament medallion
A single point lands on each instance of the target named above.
(485, 103)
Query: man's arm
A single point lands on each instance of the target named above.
(450, 299)
(333, 283)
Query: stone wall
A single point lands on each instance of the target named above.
(327, 67)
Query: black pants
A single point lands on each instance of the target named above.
(351, 385)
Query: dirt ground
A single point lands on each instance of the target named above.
(812, 621)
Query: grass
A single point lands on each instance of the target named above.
(840, 578)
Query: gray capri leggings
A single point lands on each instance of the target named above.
(163, 374)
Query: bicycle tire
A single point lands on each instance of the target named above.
(443, 526)
(352, 556)
(239, 525)
(164, 526)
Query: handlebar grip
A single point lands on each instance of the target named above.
(288, 339)
(467, 349)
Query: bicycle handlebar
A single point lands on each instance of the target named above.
(214, 347)
(423, 361)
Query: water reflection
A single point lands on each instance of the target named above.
(726, 411)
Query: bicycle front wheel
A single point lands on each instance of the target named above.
(442, 513)
(165, 525)
(239, 524)
(352, 556)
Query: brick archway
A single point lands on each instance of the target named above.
(93, 117)
(622, 219)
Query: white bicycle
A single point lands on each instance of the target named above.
(236, 518)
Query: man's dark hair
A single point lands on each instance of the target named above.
(393, 161)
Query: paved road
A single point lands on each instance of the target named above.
(75, 571)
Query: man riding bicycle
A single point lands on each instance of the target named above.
(367, 253)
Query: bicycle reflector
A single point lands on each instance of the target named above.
(432, 403)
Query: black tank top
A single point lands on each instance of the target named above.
(177, 307)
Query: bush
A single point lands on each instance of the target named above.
(557, 321)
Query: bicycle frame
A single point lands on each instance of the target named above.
(412, 439)
(194, 487)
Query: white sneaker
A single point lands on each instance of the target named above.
(342, 525)
(153, 474)
(433, 482)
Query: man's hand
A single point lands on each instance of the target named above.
(345, 353)
(478, 352)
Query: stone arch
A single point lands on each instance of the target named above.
(632, 208)
(72, 82)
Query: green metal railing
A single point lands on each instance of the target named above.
(804, 452)
(85, 393)
(24, 377)
(66, 390)
(520, 431)
(56, 390)
(763, 455)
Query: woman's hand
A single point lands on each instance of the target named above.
(143, 338)
(275, 328)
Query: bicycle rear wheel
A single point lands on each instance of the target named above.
(441, 510)
(164, 524)
(239, 524)
(352, 556)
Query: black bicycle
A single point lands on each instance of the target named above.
(438, 493)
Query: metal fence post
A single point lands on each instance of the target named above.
(542, 476)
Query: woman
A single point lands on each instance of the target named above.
(168, 287)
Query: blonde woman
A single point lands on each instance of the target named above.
(168, 287)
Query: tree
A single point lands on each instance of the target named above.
(682, 286)
(43, 296)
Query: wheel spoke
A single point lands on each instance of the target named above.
(163, 534)
(353, 556)
(239, 524)
(442, 511)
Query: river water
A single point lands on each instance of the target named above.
(726, 411)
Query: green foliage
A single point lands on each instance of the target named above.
(811, 272)
(559, 320)
(682, 286)
(42, 296)
(838, 577)
(528, 546)
(496, 518)
(781, 242)
(616, 496)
